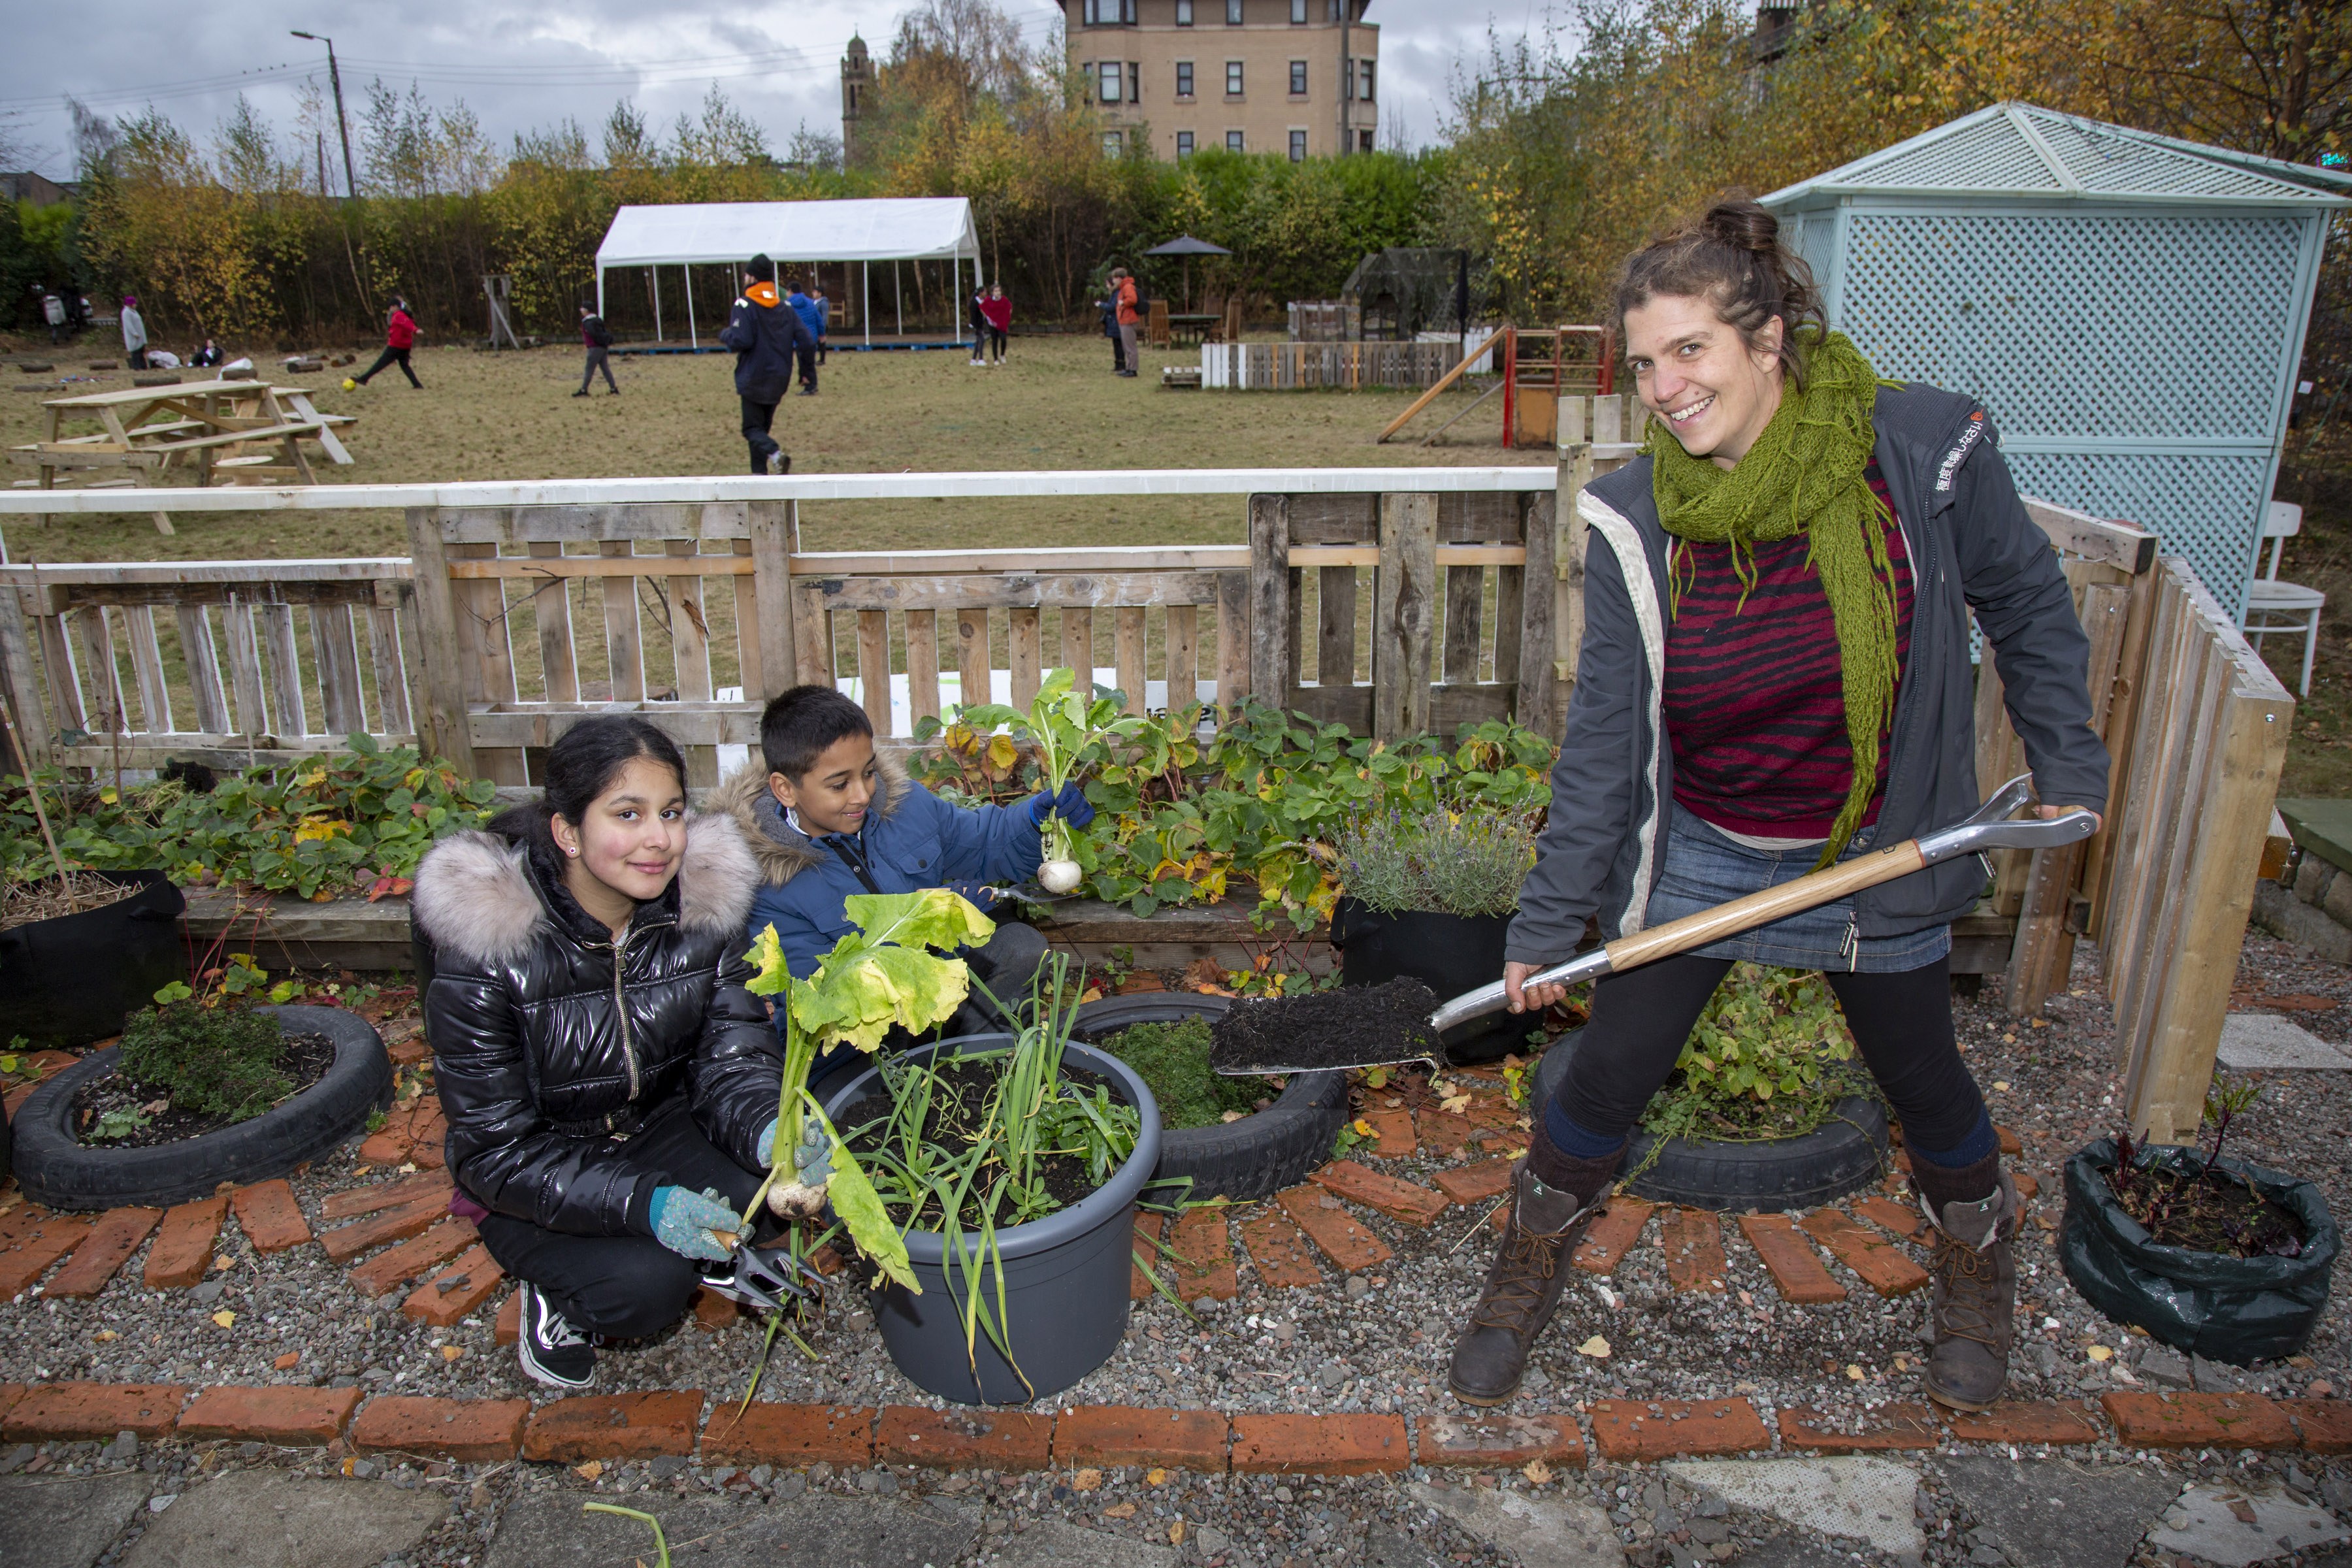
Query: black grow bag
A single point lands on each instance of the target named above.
(67, 982)
(1448, 953)
(59, 1172)
(2235, 1309)
(1841, 1157)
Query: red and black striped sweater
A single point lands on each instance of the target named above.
(1754, 702)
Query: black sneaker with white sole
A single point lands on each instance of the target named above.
(552, 1350)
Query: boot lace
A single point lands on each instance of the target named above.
(1525, 1267)
(556, 1332)
(1970, 1288)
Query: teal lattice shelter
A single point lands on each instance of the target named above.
(2130, 307)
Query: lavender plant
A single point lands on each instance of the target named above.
(1438, 859)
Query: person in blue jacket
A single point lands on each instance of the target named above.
(811, 315)
(764, 331)
(829, 815)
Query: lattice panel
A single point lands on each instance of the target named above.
(2118, 165)
(2207, 508)
(1987, 156)
(1812, 235)
(2079, 327)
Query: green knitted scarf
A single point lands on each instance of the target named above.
(1805, 474)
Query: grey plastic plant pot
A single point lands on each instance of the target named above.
(1064, 1277)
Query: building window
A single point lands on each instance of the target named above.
(1114, 143)
(1298, 13)
(1183, 79)
(1298, 79)
(1233, 141)
(1184, 13)
(1233, 79)
(1135, 81)
(1364, 80)
(1232, 13)
(1107, 75)
(1183, 143)
(1298, 146)
(1363, 140)
(1109, 13)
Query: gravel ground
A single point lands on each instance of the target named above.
(1379, 1347)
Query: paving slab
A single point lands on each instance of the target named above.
(2265, 1040)
(2236, 1528)
(270, 1518)
(1051, 1543)
(840, 1532)
(65, 1523)
(1793, 1551)
(1854, 1495)
(1534, 1531)
(2059, 1513)
(2321, 827)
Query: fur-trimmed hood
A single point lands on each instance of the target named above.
(780, 853)
(478, 901)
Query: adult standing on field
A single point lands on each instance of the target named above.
(134, 333)
(1108, 306)
(1774, 677)
(399, 337)
(823, 323)
(1129, 315)
(53, 311)
(597, 338)
(765, 332)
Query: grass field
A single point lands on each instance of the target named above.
(1054, 404)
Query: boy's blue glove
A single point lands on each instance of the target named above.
(683, 1220)
(1070, 804)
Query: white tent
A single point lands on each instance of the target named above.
(686, 234)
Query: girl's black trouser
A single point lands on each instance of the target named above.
(400, 358)
(1902, 1023)
(625, 1287)
(996, 336)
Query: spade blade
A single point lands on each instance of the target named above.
(1327, 1031)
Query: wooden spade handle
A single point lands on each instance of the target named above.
(1809, 892)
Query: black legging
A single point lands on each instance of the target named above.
(626, 1285)
(1902, 1023)
(400, 357)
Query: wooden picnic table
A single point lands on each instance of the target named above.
(1194, 326)
(215, 427)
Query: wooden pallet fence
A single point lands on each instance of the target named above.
(227, 661)
(1340, 366)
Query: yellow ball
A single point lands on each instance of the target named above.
(350, 385)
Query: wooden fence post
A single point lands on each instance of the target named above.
(1568, 534)
(1404, 608)
(1269, 599)
(772, 602)
(1233, 641)
(17, 682)
(1536, 707)
(441, 725)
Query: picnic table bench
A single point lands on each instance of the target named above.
(213, 426)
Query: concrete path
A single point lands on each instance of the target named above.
(271, 1519)
(65, 1523)
(2058, 1513)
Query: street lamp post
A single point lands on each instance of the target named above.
(343, 127)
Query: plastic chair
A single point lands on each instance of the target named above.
(2273, 607)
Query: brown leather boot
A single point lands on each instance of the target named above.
(1530, 1271)
(1973, 1311)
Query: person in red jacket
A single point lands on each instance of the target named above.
(997, 311)
(1129, 315)
(399, 337)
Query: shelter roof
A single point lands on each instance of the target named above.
(902, 228)
(2012, 150)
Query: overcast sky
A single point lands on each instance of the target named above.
(518, 66)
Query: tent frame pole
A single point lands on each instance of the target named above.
(865, 300)
(686, 270)
(652, 287)
(600, 291)
(898, 298)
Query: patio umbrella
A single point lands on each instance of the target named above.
(1185, 246)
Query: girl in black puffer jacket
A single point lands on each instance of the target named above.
(609, 1084)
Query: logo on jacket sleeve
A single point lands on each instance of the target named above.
(1958, 454)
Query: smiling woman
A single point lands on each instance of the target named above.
(1777, 605)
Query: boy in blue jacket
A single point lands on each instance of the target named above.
(827, 816)
(811, 315)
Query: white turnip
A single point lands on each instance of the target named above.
(1058, 876)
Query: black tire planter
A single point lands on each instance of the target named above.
(62, 1174)
(1841, 1157)
(67, 982)
(2235, 1309)
(1063, 1278)
(1252, 1158)
(1448, 953)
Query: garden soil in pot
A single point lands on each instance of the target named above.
(70, 980)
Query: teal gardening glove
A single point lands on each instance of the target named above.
(812, 1157)
(683, 1221)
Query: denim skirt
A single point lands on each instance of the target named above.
(1702, 867)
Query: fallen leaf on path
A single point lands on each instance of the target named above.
(224, 1318)
(1596, 1347)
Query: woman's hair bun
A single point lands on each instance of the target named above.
(1742, 224)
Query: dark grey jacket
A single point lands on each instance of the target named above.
(1971, 547)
